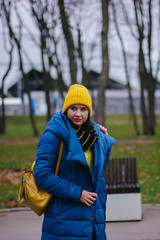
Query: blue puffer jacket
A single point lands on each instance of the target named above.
(66, 218)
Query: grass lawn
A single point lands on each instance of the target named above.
(18, 149)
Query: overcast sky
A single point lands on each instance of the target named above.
(91, 34)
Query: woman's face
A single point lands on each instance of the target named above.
(78, 114)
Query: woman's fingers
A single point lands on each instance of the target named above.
(88, 198)
(88, 204)
(103, 129)
(91, 200)
(94, 194)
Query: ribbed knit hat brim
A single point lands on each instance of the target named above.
(78, 94)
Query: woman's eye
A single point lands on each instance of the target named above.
(84, 109)
(73, 108)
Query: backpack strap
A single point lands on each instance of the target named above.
(58, 161)
(59, 158)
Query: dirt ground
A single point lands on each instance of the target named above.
(12, 177)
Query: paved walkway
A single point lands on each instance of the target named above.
(25, 225)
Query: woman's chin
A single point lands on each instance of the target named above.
(79, 124)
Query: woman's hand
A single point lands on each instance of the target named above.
(103, 129)
(88, 198)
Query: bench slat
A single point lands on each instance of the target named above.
(121, 176)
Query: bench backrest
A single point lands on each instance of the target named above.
(121, 175)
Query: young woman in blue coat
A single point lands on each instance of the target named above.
(77, 208)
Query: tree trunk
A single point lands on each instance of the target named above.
(126, 71)
(151, 97)
(142, 67)
(151, 80)
(80, 52)
(61, 84)
(147, 81)
(47, 80)
(7, 13)
(35, 130)
(69, 41)
(3, 116)
(103, 79)
(142, 84)
(47, 84)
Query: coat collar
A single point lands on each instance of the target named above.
(73, 144)
(74, 155)
(75, 151)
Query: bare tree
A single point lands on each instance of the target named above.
(7, 6)
(103, 79)
(3, 116)
(126, 68)
(147, 79)
(81, 57)
(69, 41)
(144, 16)
(39, 12)
(43, 15)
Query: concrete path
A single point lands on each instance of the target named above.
(146, 229)
(25, 225)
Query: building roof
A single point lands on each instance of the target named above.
(36, 83)
(91, 82)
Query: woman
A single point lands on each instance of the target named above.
(77, 209)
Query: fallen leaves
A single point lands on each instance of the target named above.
(10, 176)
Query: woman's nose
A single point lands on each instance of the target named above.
(78, 112)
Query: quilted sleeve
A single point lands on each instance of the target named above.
(47, 154)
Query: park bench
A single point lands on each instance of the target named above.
(123, 190)
(121, 176)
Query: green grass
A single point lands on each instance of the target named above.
(121, 126)
(17, 156)
(18, 149)
(20, 127)
(9, 192)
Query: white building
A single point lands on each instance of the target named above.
(117, 101)
(13, 106)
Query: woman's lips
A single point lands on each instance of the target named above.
(77, 119)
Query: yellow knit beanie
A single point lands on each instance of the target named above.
(78, 94)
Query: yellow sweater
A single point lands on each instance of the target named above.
(89, 157)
